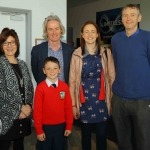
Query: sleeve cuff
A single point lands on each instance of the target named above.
(39, 131)
(68, 126)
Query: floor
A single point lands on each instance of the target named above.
(74, 141)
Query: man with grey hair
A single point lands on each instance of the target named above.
(53, 30)
(131, 88)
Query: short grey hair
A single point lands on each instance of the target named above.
(49, 18)
(133, 6)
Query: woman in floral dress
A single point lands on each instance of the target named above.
(91, 76)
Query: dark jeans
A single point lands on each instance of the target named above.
(18, 144)
(100, 129)
(55, 139)
(128, 115)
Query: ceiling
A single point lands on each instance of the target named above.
(74, 3)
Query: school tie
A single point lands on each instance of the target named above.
(54, 85)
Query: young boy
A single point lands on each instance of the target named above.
(52, 109)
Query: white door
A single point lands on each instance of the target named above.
(19, 27)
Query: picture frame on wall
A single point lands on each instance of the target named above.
(39, 41)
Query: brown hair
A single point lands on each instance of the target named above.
(51, 59)
(6, 32)
(133, 6)
(82, 41)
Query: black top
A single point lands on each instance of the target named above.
(18, 74)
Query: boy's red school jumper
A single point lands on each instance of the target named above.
(50, 107)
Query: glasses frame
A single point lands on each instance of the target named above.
(12, 43)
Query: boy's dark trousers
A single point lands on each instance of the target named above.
(66, 144)
(55, 139)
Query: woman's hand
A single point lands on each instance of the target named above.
(22, 115)
(41, 137)
(67, 132)
(76, 114)
(26, 109)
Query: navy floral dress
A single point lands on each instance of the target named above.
(93, 110)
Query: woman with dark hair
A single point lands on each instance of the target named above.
(16, 93)
(91, 76)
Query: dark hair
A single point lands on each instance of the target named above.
(6, 32)
(133, 6)
(82, 41)
(51, 59)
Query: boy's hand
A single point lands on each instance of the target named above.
(67, 132)
(41, 137)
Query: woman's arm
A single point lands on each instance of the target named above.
(111, 78)
(26, 109)
(72, 86)
(111, 67)
(29, 90)
(9, 105)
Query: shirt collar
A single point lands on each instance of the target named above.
(48, 82)
(134, 34)
(49, 46)
(87, 52)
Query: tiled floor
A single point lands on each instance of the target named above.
(74, 141)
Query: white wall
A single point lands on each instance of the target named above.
(40, 10)
(78, 15)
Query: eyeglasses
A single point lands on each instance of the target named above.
(12, 43)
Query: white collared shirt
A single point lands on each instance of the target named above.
(48, 82)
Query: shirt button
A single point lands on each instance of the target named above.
(20, 131)
(20, 125)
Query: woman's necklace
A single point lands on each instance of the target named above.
(20, 79)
